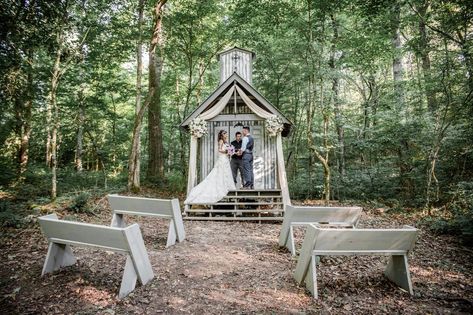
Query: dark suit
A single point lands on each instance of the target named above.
(247, 158)
(236, 162)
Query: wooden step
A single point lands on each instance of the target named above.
(255, 190)
(255, 203)
(233, 218)
(256, 211)
(230, 204)
(253, 197)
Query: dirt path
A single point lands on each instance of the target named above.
(230, 268)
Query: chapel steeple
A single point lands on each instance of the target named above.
(237, 60)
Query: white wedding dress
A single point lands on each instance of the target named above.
(216, 185)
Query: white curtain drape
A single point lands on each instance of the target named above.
(217, 108)
(255, 108)
(192, 173)
(279, 152)
(211, 113)
(282, 171)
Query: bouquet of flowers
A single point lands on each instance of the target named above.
(198, 127)
(274, 125)
(230, 150)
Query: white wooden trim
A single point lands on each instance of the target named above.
(319, 242)
(62, 234)
(282, 171)
(333, 216)
(58, 256)
(240, 117)
(87, 245)
(128, 279)
(310, 278)
(351, 252)
(130, 204)
(138, 206)
(138, 254)
(192, 171)
(147, 214)
(397, 271)
(222, 88)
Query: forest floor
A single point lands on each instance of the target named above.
(231, 268)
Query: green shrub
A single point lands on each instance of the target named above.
(176, 182)
(79, 203)
(8, 216)
(459, 219)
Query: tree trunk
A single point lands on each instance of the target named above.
(425, 59)
(323, 157)
(53, 112)
(400, 109)
(200, 86)
(155, 146)
(80, 132)
(24, 118)
(398, 70)
(336, 99)
(134, 164)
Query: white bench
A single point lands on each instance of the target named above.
(294, 216)
(62, 234)
(161, 208)
(393, 242)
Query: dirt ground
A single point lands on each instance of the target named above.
(231, 268)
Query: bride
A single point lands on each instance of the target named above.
(220, 179)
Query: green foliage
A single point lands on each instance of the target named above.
(8, 215)
(80, 203)
(459, 218)
(10, 219)
(302, 49)
(176, 182)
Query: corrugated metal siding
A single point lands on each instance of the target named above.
(242, 65)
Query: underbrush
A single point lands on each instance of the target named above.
(457, 216)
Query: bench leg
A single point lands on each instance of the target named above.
(177, 221)
(171, 234)
(290, 241)
(398, 272)
(129, 278)
(118, 220)
(311, 277)
(138, 254)
(59, 255)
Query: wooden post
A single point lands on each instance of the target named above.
(282, 171)
(192, 173)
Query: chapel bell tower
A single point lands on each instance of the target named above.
(236, 60)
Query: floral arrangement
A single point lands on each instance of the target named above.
(198, 127)
(230, 149)
(274, 125)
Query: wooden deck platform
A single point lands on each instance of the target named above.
(241, 205)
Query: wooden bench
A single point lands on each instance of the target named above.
(62, 234)
(294, 216)
(393, 242)
(161, 208)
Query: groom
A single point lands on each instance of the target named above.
(247, 158)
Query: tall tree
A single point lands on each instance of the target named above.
(80, 129)
(153, 89)
(155, 67)
(334, 56)
(135, 154)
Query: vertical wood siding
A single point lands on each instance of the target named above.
(242, 65)
(264, 151)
